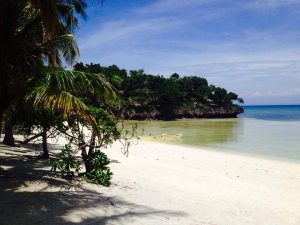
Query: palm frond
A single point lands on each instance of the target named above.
(61, 91)
(42, 97)
(63, 101)
(55, 12)
(63, 46)
(80, 83)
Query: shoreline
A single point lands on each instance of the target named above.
(246, 136)
(227, 151)
(156, 184)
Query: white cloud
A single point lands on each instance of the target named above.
(257, 94)
(163, 6)
(224, 6)
(269, 4)
(112, 32)
(274, 94)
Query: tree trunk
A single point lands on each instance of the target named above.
(2, 111)
(45, 147)
(87, 165)
(88, 162)
(1, 117)
(86, 159)
(8, 136)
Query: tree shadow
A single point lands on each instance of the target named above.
(30, 194)
(37, 147)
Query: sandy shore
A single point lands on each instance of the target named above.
(156, 184)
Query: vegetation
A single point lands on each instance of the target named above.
(38, 96)
(156, 97)
(26, 48)
(100, 174)
(67, 163)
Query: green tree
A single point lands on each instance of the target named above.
(61, 92)
(24, 49)
(156, 97)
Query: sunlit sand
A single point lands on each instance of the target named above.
(156, 184)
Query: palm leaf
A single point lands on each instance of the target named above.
(63, 46)
(61, 91)
(54, 13)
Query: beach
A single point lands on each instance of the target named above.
(156, 184)
(163, 112)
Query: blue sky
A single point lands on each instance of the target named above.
(251, 47)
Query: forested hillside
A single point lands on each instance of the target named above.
(147, 96)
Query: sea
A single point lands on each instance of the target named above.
(271, 131)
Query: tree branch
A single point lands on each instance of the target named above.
(32, 138)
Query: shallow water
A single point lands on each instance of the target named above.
(269, 137)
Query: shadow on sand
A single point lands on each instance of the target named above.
(30, 194)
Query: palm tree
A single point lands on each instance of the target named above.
(61, 91)
(55, 13)
(36, 32)
(24, 51)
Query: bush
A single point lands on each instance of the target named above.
(66, 163)
(100, 172)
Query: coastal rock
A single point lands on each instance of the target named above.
(187, 113)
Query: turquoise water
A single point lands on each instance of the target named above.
(271, 131)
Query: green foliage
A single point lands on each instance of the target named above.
(66, 163)
(100, 172)
(107, 124)
(38, 37)
(28, 44)
(157, 97)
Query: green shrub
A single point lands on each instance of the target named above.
(100, 172)
(66, 163)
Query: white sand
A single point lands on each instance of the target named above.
(166, 184)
